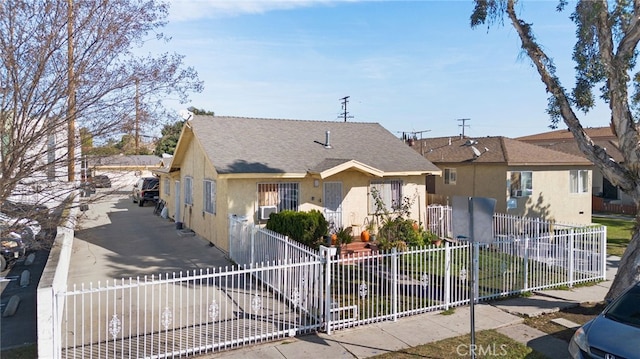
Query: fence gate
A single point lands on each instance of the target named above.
(189, 314)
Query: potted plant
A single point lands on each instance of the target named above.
(368, 233)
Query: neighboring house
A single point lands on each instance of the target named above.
(123, 170)
(563, 140)
(526, 180)
(250, 167)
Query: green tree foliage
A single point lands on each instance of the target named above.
(605, 54)
(169, 140)
(199, 111)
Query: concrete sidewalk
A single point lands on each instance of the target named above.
(506, 316)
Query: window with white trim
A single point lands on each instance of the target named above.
(450, 176)
(210, 196)
(166, 183)
(389, 191)
(283, 195)
(188, 190)
(521, 183)
(578, 181)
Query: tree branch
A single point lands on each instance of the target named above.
(618, 175)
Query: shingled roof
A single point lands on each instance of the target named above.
(251, 145)
(496, 150)
(563, 140)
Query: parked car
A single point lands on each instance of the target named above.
(13, 234)
(146, 189)
(11, 248)
(612, 334)
(101, 181)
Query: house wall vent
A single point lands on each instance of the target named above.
(265, 211)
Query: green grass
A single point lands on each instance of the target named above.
(618, 233)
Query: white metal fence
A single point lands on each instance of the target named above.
(284, 289)
(188, 313)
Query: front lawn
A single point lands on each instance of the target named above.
(618, 233)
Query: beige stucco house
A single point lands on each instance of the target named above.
(249, 167)
(525, 179)
(606, 195)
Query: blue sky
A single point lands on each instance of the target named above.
(408, 65)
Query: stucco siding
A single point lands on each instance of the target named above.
(551, 198)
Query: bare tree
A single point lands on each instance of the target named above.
(605, 55)
(69, 61)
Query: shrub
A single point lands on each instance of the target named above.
(308, 228)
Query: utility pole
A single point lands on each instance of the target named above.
(71, 101)
(137, 120)
(345, 113)
(464, 121)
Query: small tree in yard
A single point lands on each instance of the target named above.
(605, 55)
(397, 230)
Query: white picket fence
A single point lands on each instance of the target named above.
(282, 288)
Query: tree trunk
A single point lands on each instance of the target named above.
(629, 268)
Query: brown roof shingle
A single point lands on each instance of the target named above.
(254, 145)
(493, 150)
(563, 141)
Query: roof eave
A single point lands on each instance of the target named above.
(349, 165)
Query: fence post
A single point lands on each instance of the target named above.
(326, 258)
(447, 275)
(526, 263)
(603, 252)
(571, 257)
(253, 244)
(394, 283)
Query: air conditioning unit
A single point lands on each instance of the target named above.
(519, 193)
(265, 211)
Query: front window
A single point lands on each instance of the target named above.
(283, 195)
(450, 176)
(210, 196)
(188, 190)
(579, 181)
(521, 184)
(389, 192)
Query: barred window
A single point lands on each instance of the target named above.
(283, 195)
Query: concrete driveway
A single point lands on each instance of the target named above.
(118, 239)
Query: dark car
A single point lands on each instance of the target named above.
(612, 334)
(101, 181)
(146, 189)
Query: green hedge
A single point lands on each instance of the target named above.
(305, 227)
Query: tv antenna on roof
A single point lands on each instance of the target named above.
(464, 124)
(345, 113)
